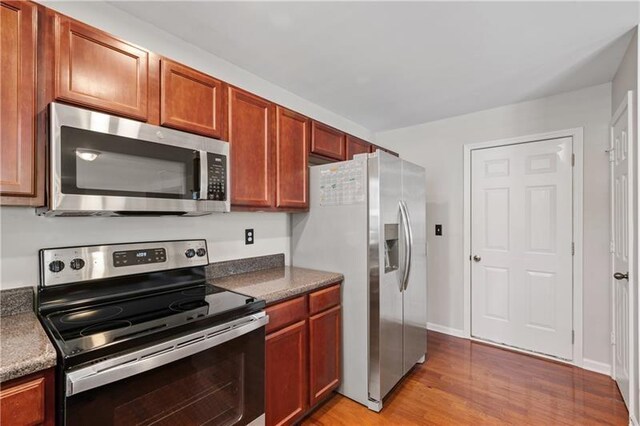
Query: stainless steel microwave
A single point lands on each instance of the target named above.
(101, 165)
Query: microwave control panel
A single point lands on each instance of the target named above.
(217, 185)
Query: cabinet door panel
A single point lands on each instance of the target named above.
(190, 100)
(292, 173)
(251, 142)
(324, 353)
(17, 103)
(286, 378)
(356, 146)
(100, 71)
(327, 141)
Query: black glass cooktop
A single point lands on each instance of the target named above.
(100, 329)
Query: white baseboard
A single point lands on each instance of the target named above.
(446, 330)
(596, 366)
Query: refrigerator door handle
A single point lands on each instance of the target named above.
(408, 242)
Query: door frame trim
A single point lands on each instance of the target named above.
(577, 174)
(626, 104)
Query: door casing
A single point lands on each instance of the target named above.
(577, 136)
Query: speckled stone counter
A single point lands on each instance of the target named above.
(24, 345)
(277, 284)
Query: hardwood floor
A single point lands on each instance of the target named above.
(468, 383)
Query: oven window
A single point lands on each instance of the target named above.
(223, 385)
(96, 163)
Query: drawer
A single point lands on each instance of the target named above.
(324, 299)
(285, 313)
(23, 403)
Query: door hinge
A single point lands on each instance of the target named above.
(611, 155)
(612, 247)
(573, 337)
(573, 249)
(573, 160)
(613, 338)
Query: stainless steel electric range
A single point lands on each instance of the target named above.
(143, 339)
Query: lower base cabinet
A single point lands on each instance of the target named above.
(28, 400)
(302, 354)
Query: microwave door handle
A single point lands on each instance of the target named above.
(203, 189)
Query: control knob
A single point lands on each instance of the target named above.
(190, 253)
(56, 266)
(201, 252)
(77, 264)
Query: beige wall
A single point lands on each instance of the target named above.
(438, 146)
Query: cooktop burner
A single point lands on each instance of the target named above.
(94, 327)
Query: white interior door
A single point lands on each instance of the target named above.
(621, 233)
(521, 242)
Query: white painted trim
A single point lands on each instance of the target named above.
(455, 332)
(577, 137)
(596, 366)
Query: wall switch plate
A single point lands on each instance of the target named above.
(439, 230)
(248, 236)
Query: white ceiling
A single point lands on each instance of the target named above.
(386, 65)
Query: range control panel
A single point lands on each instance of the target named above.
(217, 177)
(75, 264)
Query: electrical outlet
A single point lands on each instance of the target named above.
(249, 236)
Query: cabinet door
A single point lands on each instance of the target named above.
(327, 141)
(251, 140)
(97, 70)
(286, 378)
(292, 172)
(17, 103)
(356, 146)
(190, 100)
(28, 400)
(324, 353)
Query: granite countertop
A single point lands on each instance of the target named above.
(25, 346)
(278, 283)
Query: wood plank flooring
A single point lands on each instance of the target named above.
(468, 383)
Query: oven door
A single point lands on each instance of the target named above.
(213, 377)
(106, 165)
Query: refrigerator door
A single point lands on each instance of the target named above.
(385, 290)
(415, 291)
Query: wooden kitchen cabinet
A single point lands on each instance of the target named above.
(292, 171)
(324, 354)
(191, 101)
(327, 141)
(97, 70)
(28, 400)
(356, 146)
(302, 354)
(251, 143)
(286, 374)
(18, 175)
(374, 148)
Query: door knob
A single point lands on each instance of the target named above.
(621, 276)
(477, 258)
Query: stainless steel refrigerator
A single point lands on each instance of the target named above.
(367, 221)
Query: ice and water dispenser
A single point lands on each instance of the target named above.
(391, 247)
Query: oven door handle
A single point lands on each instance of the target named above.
(146, 359)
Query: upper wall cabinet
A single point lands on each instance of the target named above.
(356, 146)
(374, 148)
(97, 70)
(251, 139)
(327, 141)
(17, 103)
(191, 101)
(292, 147)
